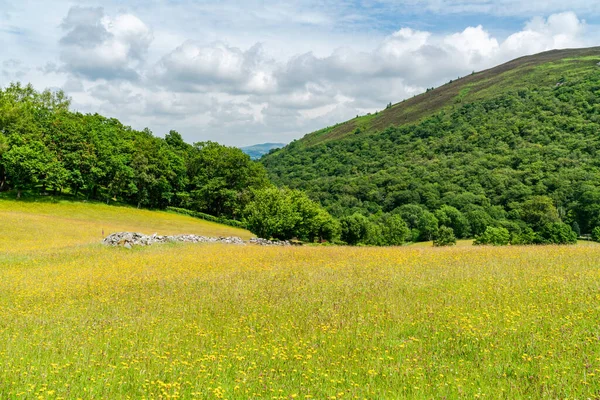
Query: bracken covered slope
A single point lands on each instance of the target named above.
(480, 85)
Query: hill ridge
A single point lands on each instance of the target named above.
(401, 112)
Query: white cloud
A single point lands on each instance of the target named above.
(96, 46)
(196, 67)
(559, 31)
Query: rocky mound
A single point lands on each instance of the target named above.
(130, 239)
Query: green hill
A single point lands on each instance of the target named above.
(475, 87)
(484, 144)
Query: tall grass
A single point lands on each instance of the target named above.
(236, 322)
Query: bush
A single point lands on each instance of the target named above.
(524, 236)
(596, 234)
(556, 233)
(284, 214)
(444, 237)
(493, 236)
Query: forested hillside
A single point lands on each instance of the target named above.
(528, 139)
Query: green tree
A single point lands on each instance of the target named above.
(538, 212)
(453, 218)
(285, 214)
(423, 223)
(271, 214)
(222, 178)
(25, 165)
(355, 229)
(394, 230)
(479, 221)
(325, 227)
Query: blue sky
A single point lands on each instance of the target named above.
(268, 71)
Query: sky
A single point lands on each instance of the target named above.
(248, 72)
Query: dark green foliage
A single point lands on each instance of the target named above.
(444, 237)
(538, 212)
(45, 147)
(576, 229)
(271, 214)
(220, 179)
(557, 233)
(356, 229)
(452, 218)
(394, 230)
(26, 165)
(523, 236)
(286, 214)
(493, 236)
(376, 230)
(517, 149)
(479, 220)
(596, 234)
(422, 223)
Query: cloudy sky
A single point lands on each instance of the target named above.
(246, 72)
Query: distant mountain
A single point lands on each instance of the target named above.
(258, 150)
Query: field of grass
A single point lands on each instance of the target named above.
(79, 320)
(34, 226)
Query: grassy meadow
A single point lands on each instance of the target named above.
(79, 320)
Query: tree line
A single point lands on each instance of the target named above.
(47, 148)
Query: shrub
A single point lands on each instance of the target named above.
(524, 236)
(285, 214)
(444, 237)
(556, 233)
(493, 236)
(596, 234)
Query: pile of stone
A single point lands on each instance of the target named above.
(267, 242)
(130, 239)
